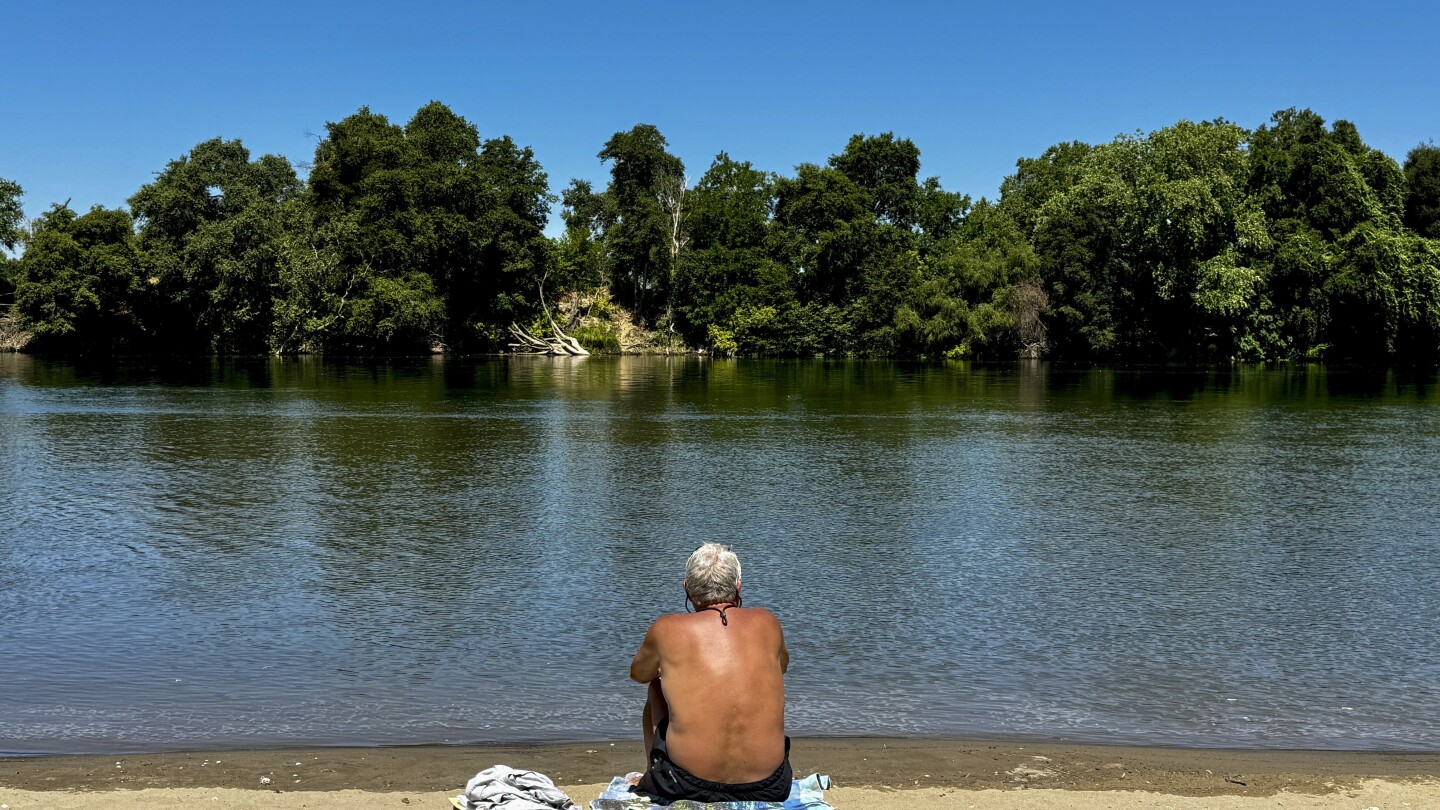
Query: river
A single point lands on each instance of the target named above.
(225, 554)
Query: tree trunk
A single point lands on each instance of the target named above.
(560, 344)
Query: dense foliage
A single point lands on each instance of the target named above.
(1200, 241)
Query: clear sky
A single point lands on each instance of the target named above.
(97, 97)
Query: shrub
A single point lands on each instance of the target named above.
(598, 339)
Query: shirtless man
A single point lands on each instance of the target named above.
(715, 731)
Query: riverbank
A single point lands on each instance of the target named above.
(867, 772)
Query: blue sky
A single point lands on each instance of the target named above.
(97, 97)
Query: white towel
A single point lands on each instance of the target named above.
(505, 788)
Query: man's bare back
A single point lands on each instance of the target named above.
(715, 716)
(724, 688)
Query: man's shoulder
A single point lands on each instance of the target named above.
(677, 619)
(668, 620)
(763, 615)
(672, 619)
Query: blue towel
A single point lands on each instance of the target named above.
(805, 794)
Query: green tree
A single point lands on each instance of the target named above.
(726, 267)
(822, 236)
(12, 214)
(1078, 242)
(363, 190)
(514, 254)
(1384, 299)
(12, 231)
(315, 292)
(968, 300)
(857, 237)
(211, 222)
(817, 214)
(79, 281)
(1197, 234)
(1326, 178)
(1288, 320)
(885, 168)
(581, 261)
(1342, 280)
(645, 183)
(1140, 246)
(444, 232)
(1037, 180)
(1422, 199)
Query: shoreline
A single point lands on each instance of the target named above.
(866, 763)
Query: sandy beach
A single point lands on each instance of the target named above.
(886, 774)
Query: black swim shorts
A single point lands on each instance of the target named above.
(670, 781)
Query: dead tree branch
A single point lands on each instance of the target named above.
(557, 343)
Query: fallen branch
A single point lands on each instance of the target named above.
(560, 344)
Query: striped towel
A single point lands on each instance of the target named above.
(805, 794)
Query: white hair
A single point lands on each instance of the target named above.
(712, 575)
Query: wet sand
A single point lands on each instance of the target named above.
(867, 772)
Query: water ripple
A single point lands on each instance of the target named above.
(300, 553)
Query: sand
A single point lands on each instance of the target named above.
(886, 774)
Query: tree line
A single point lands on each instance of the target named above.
(1197, 242)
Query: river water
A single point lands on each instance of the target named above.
(220, 554)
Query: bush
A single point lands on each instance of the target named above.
(597, 339)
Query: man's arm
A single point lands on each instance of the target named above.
(646, 665)
(784, 654)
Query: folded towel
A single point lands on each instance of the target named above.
(505, 788)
